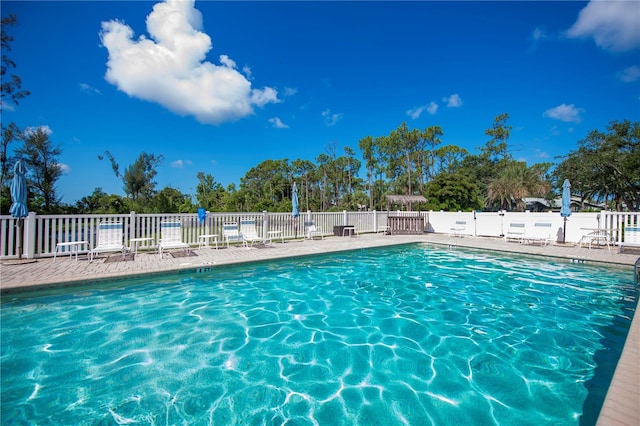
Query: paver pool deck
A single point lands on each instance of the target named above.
(622, 404)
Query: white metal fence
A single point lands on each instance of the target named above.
(41, 233)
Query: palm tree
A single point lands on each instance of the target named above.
(515, 183)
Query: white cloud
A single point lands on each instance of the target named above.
(178, 164)
(247, 71)
(432, 108)
(64, 168)
(541, 154)
(416, 112)
(564, 112)
(330, 118)
(630, 74)
(539, 34)
(290, 91)
(169, 68)
(614, 25)
(44, 128)
(89, 90)
(277, 123)
(453, 101)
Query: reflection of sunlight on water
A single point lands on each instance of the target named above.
(35, 391)
(388, 342)
(442, 398)
(119, 419)
(231, 363)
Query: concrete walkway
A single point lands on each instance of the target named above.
(622, 405)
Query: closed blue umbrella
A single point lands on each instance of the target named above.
(295, 208)
(19, 208)
(295, 211)
(565, 211)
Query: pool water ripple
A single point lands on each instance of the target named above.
(410, 335)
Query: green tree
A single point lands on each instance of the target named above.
(138, 178)
(43, 169)
(172, 200)
(10, 134)
(452, 192)
(449, 159)
(493, 157)
(514, 184)
(322, 176)
(431, 137)
(209, 193)
(368, 154)
(400, 150)
(496, 148)
(232, 199)
(101, 202)
(606, 166)
(266, 186)
(11, 92)
(305, 170)
(11, 85)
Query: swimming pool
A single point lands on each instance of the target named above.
(406, 335)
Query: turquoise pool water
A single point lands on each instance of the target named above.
(413, 335)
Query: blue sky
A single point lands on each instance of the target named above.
(219, 87)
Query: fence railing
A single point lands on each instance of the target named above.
(41, 233)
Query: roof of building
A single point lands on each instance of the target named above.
(405, 199)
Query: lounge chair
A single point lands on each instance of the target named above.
(249, 233)
(516, 232)
(631, 237)
(458, 228)
(541, 234)
(171, 237)
(109, 239)
(311, 230)
(231, 233)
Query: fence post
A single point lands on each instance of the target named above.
(29, 236)
(265, 224)
(132, 225)
(375, 221)
(345, 218)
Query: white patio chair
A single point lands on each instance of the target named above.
(631, 237)
(109, 240)
(457, 230)
(541, 234)
(312, 231)
(249, 233)
(171, 237)
(516, 231)
(231, 233)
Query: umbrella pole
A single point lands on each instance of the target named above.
(564, 231)
(20, 236)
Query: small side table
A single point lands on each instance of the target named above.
(274, 234)
(350, 229)
(134, 244)
(203, 240)
(74, 247)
